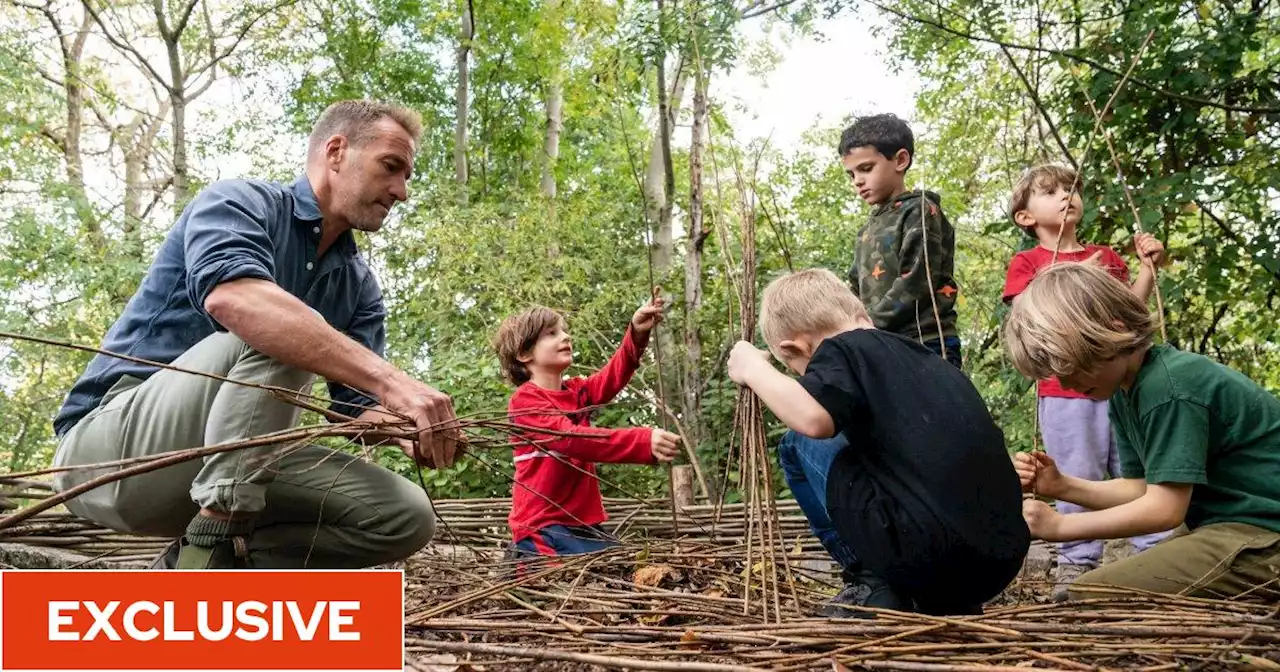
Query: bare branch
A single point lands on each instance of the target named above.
(122, 47)
(186, 16)
(156, 196)
(1072, 56)
(58, 140)
(1233, 235)
(157, 6)
(755, 9)
(239, 37)
(1044, 113)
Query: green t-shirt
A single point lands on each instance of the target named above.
(1190, 420)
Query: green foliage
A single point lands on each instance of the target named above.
(1202, 176)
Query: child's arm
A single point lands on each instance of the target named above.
(1163, 506)
(784, 395)
(1176, 435)
(1020, 273)
(1150, 253)
(910, 285)
(1039, 474)
(632, 445)
(603, 385)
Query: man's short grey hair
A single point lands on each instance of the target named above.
(355, 119)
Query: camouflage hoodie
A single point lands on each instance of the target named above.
(889, 273)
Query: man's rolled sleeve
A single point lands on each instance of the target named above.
(368, 328)
(226, 239)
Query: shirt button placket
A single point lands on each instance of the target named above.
(311, 265)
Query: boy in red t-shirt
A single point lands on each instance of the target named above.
(556, 508)
(1076, 429)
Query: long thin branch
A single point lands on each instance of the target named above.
(186, 17)
(755, 9)
(1073, 57)
(1222, 224)
(123, 47)
(159, 462)
(240, 35)
(1097, 127)
(1044, 113)
(161, 365)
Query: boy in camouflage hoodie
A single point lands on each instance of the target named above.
(897, 267)
(906, 280)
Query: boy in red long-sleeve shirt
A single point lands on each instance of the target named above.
(556, 507)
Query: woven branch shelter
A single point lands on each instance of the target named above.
(694, 603)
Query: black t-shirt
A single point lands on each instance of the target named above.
(926, 479)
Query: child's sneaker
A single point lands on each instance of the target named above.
(1063, 577)
(864, 590)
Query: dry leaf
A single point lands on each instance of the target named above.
(651, 575)
(654, 619)
(689, 636)
(436, 662)
(837, 667)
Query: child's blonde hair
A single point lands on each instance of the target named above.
(812, 301)
(1043, 177)
(517, 335)
(1074, 317)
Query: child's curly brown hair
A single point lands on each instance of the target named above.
(517, 335)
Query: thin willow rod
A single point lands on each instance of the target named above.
(159, 462)
(286, 392)
(1128, 194)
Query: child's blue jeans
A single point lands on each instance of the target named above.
(805, 464)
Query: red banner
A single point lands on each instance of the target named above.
(201, 620)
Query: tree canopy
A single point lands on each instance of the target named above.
(574, 150)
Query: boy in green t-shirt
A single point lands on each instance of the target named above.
(1199, 443)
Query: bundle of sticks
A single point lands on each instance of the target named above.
(476, 523)
(679, 605)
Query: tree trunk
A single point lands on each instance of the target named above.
(658, 193)
(659, 188)
(73, 87)
(178, 103)
(134, 169)
(691, 403)
(555, 124)
(466, 34)
(137, 141)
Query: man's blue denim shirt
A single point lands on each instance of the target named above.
(235, 229)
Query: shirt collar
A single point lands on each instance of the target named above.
(305, 206)
(306, 212)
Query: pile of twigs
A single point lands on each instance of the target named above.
(479, 524)
(689, 606)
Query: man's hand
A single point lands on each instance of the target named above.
(665, 445)
(743, 359)
(1042, 520)
(380, 417)
(1038, 473)
(433, 417)
(648, 317)
(1149, 249)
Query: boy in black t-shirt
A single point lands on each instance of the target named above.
(924, 496)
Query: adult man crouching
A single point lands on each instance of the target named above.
(262, 283)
